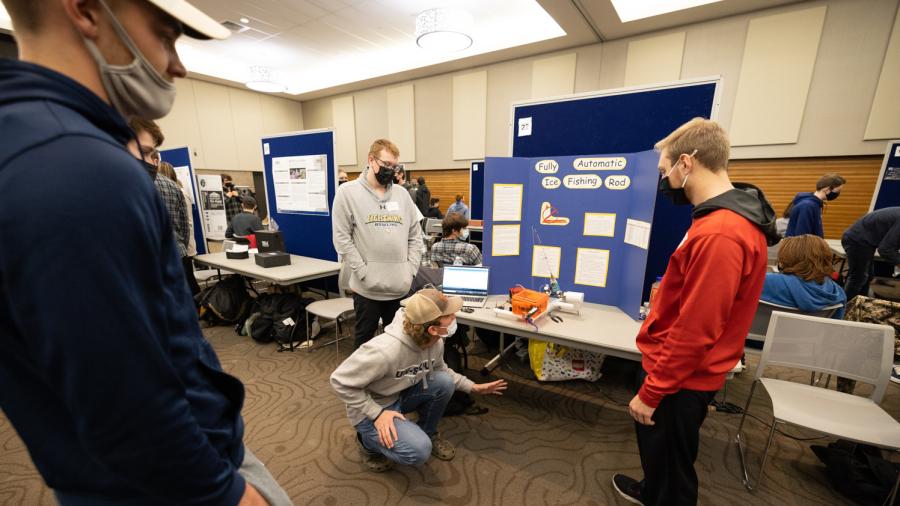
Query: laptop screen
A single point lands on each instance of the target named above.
(466, 280)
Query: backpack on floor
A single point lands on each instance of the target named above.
(276, 317)
(858, 471)
(227, 302)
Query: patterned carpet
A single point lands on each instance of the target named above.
(539, 444)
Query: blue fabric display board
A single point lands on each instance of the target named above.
(887, 191)
(181, 158)
(619, 121)
(585, 218)
(306, 233)
(476, 190)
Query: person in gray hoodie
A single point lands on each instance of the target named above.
(400, 371)
(376, 232)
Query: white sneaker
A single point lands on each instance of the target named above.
(895, 374)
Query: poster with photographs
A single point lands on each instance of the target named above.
(212, 205)
(301, 184)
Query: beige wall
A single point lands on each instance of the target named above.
(223, 125)
(848, 63)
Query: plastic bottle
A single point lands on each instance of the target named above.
(654, 288)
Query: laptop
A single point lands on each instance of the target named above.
(470, 283)
(433, 227)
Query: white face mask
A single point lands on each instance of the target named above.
(451, 329)
(135, 89)
(464, 234)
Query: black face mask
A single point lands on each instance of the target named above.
(150, 168)
(341, 182)
(676, 195)
(832, 195)
(384, 176)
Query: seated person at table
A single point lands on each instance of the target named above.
(804, 280)
(435, 210)
(400, 371)
(452, 249)
(246, 222)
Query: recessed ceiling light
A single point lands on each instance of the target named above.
(261, 80)
(444, 30)
(631, 10)
(245, 20)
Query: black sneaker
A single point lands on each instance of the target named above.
(628, 488)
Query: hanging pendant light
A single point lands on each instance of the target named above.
(261, 80)
(444, 30)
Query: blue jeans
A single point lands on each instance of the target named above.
(413, 445)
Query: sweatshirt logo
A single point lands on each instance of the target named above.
(384, 220)
(413, 370)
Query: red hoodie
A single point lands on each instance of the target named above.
(695, 332)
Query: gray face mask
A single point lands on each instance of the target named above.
(135, 89)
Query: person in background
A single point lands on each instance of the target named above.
(435, 210)
(148, 137)
(781, 224)
(459, 207)
(423, 196)
(400, 371)
(806, 213)
(342, 177)
(131, 405)
(232, 198)
(804, 278)
(695, 331)
(452, 249)
(878, 230)
(166, 169)
(377, 235)
(246, 222)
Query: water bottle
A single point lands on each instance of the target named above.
(458, 260)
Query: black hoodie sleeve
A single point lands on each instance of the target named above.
(890, 244)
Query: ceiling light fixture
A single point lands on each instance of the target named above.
(630, 10)
(261, 80)
(245, 20)
(445, 30)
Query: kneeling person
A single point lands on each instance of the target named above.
(400, 371)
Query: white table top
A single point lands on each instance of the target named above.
(599, 328)
(300, 269)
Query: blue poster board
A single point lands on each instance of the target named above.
(181, 157)
(580, 207)
(476, 190)
(305, 234)
(887, 190)
(628, 120)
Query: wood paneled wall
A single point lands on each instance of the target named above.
(444, 184)
(781, 179)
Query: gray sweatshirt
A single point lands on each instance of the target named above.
(378, 239)
(374, 375)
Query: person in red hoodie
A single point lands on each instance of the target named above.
(696, 328)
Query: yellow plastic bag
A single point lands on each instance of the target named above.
(553, 362)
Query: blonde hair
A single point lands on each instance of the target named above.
(380, 144)
(706, 136)
(806, 256)
(419, 332)
(166, 169)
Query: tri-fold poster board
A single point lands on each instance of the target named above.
(180, 158)
(585, 220)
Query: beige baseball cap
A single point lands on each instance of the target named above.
(196, 23)
(429, 304)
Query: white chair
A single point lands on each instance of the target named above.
(860, 351)
(338, 309)
(760, 324)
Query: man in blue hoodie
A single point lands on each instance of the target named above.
(806, 210)
(106, 376)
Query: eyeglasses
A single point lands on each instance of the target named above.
(384, 165)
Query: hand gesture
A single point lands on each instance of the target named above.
(641, 412)
(492, 388)
(384, 424)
